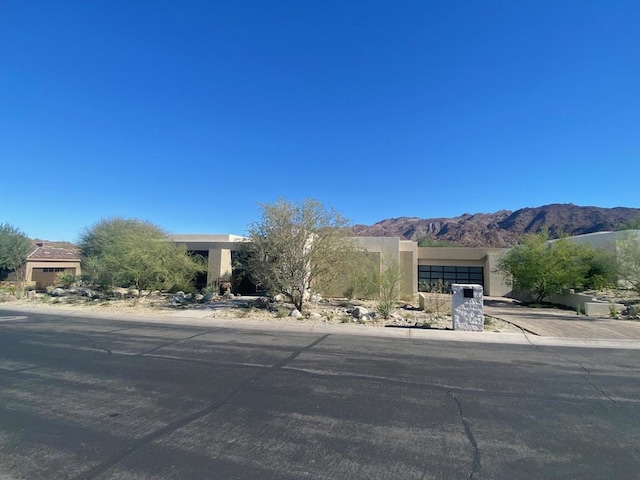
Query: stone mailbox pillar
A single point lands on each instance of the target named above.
(467, 307)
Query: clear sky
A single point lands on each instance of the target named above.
(190, 113)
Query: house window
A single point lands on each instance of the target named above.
(430, 275)
(53, 270)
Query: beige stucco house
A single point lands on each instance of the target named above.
(419, 265)
(47, 261)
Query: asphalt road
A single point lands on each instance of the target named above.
(94, 398)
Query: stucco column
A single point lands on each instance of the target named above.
(494, 282)
(219, 264)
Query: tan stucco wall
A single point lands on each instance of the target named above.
(219, 248)
(392, 249)
(219, 265)
(46, 279)
(405, 252)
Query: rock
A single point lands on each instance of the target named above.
(278, 298)
(58, 292)
(9, 298)
(119, 292)
(199, 297)
(178, 299)
(295, 313)
(133, 292)
(188, 296)
(359, 312)
(208, 297)
(228, 296)
(315, 315)
(368, 317)
(315, 298)
(261, 302)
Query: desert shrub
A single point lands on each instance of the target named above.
(438, 299)
(388, 288)
(67, 279)
(385, 308)
(350, 291)
(613, 311)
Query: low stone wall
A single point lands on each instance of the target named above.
(601, 309)
(588, 304)
(435, 302)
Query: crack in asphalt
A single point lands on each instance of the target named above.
(434, 386)
(20, 370)
(181, 422)
(472, 440)
(587, 378)
(112, 331)
(178, 341)
(96, 345)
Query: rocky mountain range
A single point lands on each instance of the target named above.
(503, 228)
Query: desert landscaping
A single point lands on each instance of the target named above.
(359, 313)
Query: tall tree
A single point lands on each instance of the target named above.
(15, 245)
(134, 253)
(628, 255)
(297, 246)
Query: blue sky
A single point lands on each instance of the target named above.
(188, 114)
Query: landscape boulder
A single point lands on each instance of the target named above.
(315, 298)
(359, 312)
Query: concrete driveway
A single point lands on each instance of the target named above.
(549, 322)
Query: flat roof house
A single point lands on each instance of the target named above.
(419, 265)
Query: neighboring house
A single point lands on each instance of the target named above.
(610, 242)
(47, 261)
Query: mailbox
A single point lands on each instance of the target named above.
(467, 307)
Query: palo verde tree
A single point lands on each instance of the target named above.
(15, 245)
(298, 246)
(539, 267)
(134, 253)
(628, 257)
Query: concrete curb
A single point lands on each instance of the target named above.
(193, 319)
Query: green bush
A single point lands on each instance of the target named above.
(385, 308)
(67, 279)
(389, 288)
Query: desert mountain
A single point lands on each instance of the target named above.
(503, 228)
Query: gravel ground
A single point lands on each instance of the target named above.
(332, 311)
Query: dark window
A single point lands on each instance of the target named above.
(430, 275)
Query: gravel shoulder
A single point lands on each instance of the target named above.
(243, 309)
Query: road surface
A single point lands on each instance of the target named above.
(88, 398)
